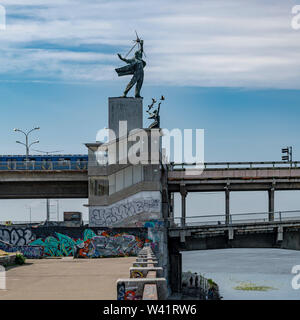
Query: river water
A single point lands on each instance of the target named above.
(231, 268)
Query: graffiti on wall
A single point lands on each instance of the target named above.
(61, 245)
(121, 291)
(129, 293)
(115, 214)
(107, 244)
(136, 274)
(32, 252)
(154, 224)
(16, 236)
(124, 210)
(78, 242)
(156, 237)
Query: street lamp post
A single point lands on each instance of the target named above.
(26, 144)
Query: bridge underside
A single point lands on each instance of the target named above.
(42, 190)
(268, 235)
(267, 239)
(276, 234)
(43, 184)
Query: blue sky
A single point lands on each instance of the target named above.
(229, 67)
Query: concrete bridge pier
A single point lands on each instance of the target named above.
(175, 270)
(227, 205)
(271, 194)
(183, 193)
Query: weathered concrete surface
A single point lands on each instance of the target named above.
(150, 292)
(145, 270)
(67, 278)
(139, 284)
(125, 109)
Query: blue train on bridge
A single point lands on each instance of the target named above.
(44, 162)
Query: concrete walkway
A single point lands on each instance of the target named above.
(66, 278)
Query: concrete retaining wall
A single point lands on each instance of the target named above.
(145, 282)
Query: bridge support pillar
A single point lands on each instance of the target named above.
(227, 205)
(279, 234)
(271, 193)
(183, 193)
(175, 275)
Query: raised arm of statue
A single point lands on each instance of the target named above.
(142, 45)
(125, 60)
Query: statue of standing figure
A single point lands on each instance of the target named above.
(135, 66)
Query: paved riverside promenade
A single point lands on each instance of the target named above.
(66, 278)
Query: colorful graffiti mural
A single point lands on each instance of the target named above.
(31, 252)
(107, 244)
(55, 241)
(61, 245)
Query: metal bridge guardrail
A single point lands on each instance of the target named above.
(197, 286)
(238, 165)
(253, 217)
(43, 165)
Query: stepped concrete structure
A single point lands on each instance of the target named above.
(125, 186)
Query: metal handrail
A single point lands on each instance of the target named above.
(32, 165)
(242, 214)
(230, 165)
(220, 219)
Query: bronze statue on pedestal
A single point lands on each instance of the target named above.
(135, 66)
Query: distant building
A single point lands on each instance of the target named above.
(72, 218)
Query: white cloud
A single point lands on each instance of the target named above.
(202, 43)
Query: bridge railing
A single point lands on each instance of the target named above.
(238, 165)
(42, 165)
(220, 219)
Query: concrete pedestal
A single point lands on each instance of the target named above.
(125, 109)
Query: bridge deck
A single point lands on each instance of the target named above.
(43, 184)
(240, 179)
